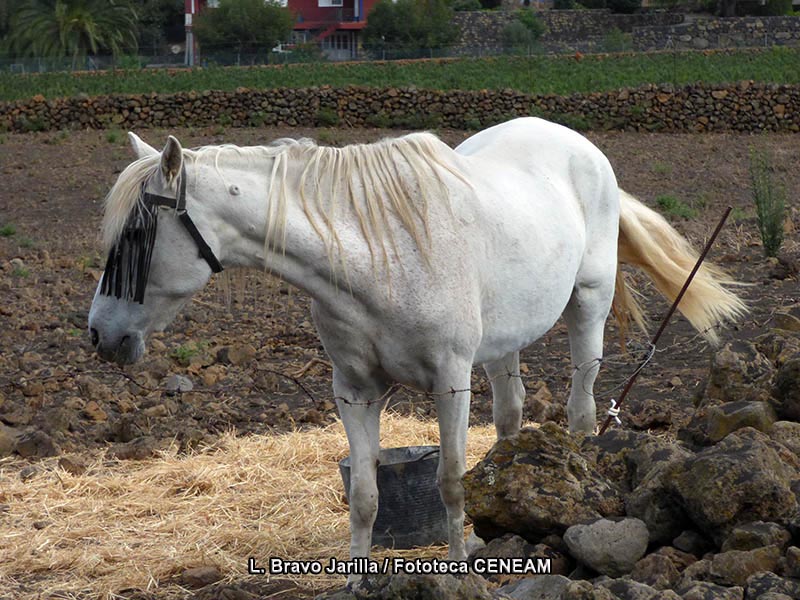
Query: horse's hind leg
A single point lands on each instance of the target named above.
(508, 394)
(360, 409)
(585, 316)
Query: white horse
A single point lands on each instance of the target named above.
(421, 262)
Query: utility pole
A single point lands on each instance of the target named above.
(190, 9)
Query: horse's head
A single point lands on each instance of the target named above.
(162, 248)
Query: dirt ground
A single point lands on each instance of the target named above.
(254, 359)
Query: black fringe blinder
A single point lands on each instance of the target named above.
(128, 265)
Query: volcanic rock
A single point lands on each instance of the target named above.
(609, 547)
(536, 483)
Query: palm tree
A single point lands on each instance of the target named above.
(73, 28)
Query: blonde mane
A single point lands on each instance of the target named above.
(393, 179)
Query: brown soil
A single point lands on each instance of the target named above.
(51, 192)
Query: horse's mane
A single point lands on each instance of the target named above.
(393, 178)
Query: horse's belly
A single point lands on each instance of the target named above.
(515, 325)
(526, 290)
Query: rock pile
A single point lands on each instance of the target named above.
(630, 516)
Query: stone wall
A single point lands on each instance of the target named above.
(588, 30)
(584, 30)
(745, 106)
(720, 33)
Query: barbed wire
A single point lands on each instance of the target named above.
(636, 353)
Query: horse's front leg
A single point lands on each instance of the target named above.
(360, 410)
(508, 394)
(452, 407)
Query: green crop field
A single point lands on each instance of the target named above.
(538, 74)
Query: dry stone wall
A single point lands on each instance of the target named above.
(565, 29)
(588, 30)
(733, 32)
(746, 106)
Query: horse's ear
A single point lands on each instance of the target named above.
(140, 147)
(171, 159)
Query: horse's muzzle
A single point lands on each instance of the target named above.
(122, 349)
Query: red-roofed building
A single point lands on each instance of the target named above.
(334, 24)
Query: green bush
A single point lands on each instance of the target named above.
(516, 38)
(675, 207)
(522, 34)
(327, 117)
(247, 25)
(408, 25)
(777, 8)
(617, 41)
(769, 197)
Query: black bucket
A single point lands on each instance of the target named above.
(410, 509)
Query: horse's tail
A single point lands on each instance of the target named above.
(648, 242)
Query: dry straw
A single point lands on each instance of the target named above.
(139, 525)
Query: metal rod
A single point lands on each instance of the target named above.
(671, 311)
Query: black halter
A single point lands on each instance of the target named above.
(128, 265)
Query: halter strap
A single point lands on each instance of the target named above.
(179, 204)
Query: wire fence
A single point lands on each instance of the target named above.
(345, 50)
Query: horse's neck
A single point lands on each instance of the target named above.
(301, 261)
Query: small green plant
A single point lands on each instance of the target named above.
(224, 120)
(660, 168)
(327, 117)
(114, 136)
(31, 125)
(380, 120)
(184, 354)
(8, 230)
(675, 207)
(473, 123)
(74, 332)
(739, 214)
(26, 242)
(769, 197)
(20, 272)
(256, 119)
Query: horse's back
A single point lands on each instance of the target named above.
(556, 165)
(549, 200)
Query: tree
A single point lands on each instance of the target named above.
(247, 25)
(408, 25)
(5, 17)
(73, 28)
(521, 34)
(160, 22)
